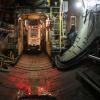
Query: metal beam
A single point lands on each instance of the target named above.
(94, 57)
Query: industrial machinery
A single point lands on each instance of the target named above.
(34, 35)
(30, 31)
(89, 31)
(8, 50)
(30, 26)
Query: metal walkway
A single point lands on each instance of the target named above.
(34, 74)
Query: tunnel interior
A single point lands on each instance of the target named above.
(49, 49)
(34, 31)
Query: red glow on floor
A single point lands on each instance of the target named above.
(47, 85)
(25, 87)
(21, 84)
(29, 91)
(39, 91)
(12, 79)
(42, 88)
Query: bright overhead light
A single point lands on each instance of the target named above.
(19, 19)
(78, 4)
(91, 3)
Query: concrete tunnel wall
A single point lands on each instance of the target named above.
(85, 36)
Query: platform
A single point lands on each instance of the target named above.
(34, 72)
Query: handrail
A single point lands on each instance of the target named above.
(94, 57)
(60, 26)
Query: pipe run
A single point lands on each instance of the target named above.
(94, 57)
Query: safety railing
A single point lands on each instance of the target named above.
(56, 14)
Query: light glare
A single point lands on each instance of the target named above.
(78, 4)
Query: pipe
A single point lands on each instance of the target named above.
(94, 57)
(86, 79)
(89, 31)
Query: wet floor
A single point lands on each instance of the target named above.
(34, 74)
